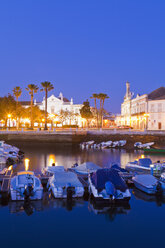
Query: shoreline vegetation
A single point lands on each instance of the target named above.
(74, 137)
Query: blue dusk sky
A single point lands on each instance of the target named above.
(83, 47)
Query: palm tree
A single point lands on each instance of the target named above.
(17, 91)
(95, 97)
(32, 88)
(102, 98)
(46, 86)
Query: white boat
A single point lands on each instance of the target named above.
(122, 143)
(25, 185)
(65, 185)
(85, 168)
(162, 181)
(107, 185)
(11, 153)
(50, 170)
(145, 165)
(146, 183)
(139, 145)
(106, 144)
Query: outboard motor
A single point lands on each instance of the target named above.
(10, 161)
(70, 192)
(159, 189)
(110, 189)
(29, 191)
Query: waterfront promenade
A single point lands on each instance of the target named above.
(75, 136)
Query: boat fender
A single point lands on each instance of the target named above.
(110, 189)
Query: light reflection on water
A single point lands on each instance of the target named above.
(43, 156)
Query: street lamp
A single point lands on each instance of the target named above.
(9, 116)
(146, 118)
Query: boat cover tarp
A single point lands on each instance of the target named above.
(146, 162)
(53, 169)
(101, 176)
(87, 166)
(118, 168)
(64, 179)
(145, 179)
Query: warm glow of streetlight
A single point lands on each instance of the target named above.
(26, 164)
(9, 115)
(51, 115)
(146, 115)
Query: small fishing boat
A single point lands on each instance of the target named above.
(65, 185)
(139, 145)
(50, 170)
(147, 183)
(145, 165)
(119, 143)
(85, 168)
(107, 185)
(25, 185)
(154, 150)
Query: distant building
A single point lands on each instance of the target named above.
(145, 111)
(57, 104)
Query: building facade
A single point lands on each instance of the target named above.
(145, 111)
(57, 105)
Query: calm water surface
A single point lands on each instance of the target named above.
(57, 223)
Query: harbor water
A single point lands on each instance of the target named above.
(80, 223)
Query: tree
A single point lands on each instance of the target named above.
(63, 116)
(7, 106)
(102, 98)
(32, 88)
(47, 86)
(95, 97)
(85, 112)
(17, 91)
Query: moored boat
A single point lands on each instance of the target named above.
(147, 183)
(146, 165)
(25, 185)
(107, 185)
(85, 168)
(154, 150)
(65, 184)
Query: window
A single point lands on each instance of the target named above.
(159, 107)
(152, 108)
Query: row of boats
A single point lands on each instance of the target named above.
(104, 184)
(9, 155)
(103, 145)
(113, 144)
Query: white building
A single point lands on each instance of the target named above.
(57, 104)
(145, 111)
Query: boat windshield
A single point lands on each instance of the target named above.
(25, 179)
(145, 162)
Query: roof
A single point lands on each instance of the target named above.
(64, 99)
(158, 94)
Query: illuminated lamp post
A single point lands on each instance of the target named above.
(9, 116)
(146, 120)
